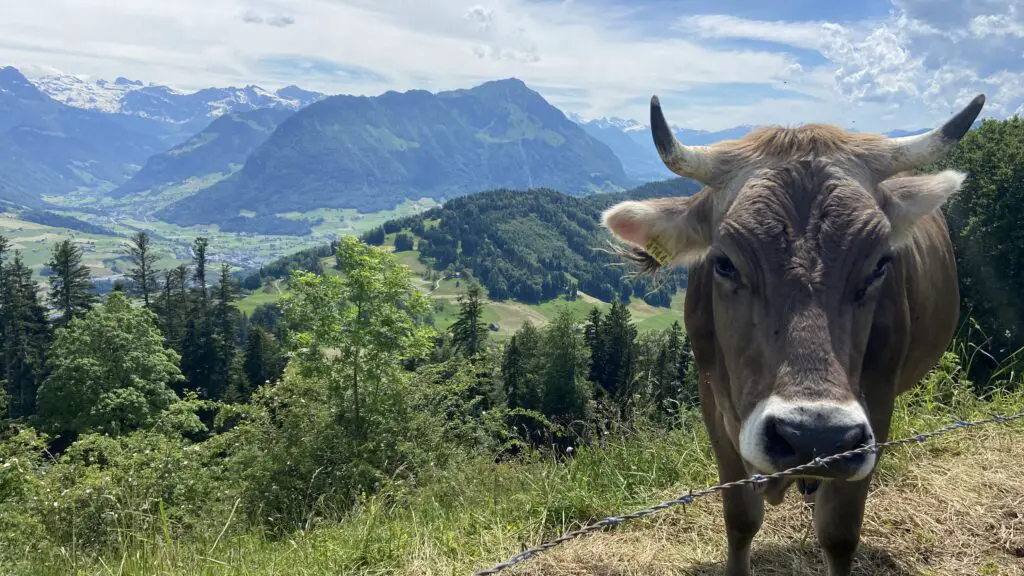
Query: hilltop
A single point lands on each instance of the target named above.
(371, 153)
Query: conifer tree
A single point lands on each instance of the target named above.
(143, 273)
(71, 291)
(469, 333)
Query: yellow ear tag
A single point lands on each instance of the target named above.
(656, 250)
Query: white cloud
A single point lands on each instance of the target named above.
(592, 59)
(810, 35)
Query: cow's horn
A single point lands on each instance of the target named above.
(918, 151)
(688, 161)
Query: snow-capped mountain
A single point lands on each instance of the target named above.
(192, 111)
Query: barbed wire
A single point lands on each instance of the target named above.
(691, 496)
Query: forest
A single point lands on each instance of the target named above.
(526, 245)
(159, 429)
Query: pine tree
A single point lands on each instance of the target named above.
(263, 361)
(25, 333)
(617, 339)
(670, 386)
(687, 375)
(566, 392)
(200, 260)
(71, 291)
(592, 337)
(228, 373)
(143, 273)
(520, 368)
(469, 333)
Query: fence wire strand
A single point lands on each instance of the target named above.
(693, 495)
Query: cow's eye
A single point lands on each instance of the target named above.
(880, 269)
(725, 268)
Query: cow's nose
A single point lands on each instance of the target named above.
(800, 436)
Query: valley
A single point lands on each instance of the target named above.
(513, 184)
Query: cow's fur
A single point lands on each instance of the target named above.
(816, 279)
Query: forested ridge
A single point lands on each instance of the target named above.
(160, 429)
(525, 245)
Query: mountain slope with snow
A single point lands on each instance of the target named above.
(187, 112)
(47, 147)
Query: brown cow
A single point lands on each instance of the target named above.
(822, 285)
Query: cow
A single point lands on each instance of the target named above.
(822, 285)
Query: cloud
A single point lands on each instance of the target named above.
(811, 35)
(278, 21)
(880, 71)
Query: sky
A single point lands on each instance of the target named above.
(873, 65)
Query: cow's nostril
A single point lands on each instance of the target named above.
(792, 442)
(777, 445)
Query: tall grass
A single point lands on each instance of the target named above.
(478, 512)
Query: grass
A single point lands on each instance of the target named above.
(172, 242)
(950, 506)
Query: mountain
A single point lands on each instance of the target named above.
(631, 141)
(372, 153)
(525, 245)
(47, 147)
(216, 151)
(186, 112)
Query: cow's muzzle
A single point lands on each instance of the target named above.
(781, 434)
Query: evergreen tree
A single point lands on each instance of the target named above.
(687, 375)
(71, 292)
(566, 393)
(199, 359)
(616, 341)
(469, 333)
(200, 260)
(25, 334)
(263, 361)
(667, 369)
(403, 242)
(143, 273)
(592, 332)
(229, 374)
(520, 368)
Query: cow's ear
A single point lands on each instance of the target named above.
(906, 200)
(672, 230)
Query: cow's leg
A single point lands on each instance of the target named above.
(839, 508)
(743, 507)
(838, 516)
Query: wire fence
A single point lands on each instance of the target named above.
(693, 495)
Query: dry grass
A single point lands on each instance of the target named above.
(956, 508)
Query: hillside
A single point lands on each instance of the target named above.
(52, 148)
(532, 246)
(218, 150)
(371, 153)
(532, 250)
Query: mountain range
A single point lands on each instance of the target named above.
(372, 153)
(631, 142)
(49, 148)
(240, 157)
(183, 113)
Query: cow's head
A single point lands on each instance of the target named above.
(799, 227)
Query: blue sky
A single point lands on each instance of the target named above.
(867, 64)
